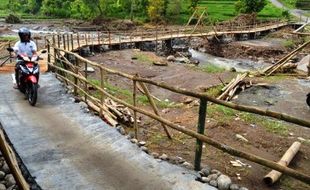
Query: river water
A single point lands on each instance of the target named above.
(239, 65)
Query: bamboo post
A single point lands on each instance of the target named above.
(48, 56)
(64, 41)
(53, 40)
(109, 39)
(85, 83)
(102, 86)
(156, 43)
(201, 128)
(68, 42)
(274, 175)
(58, 40)
(148, 94)
(76, 71)
(134, 111)
(86, 40)
(72, 43)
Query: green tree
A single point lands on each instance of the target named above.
(155, 10)
(250, 6)
(57, 8)
(33, 6)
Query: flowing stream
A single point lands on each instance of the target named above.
(240, 65)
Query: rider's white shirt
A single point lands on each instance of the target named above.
(22, 47)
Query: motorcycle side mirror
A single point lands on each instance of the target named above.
(10, 49)
(43, 51)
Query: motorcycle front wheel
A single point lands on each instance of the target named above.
(32, 94)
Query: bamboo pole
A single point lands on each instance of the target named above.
(200, 130)
(250, 109)
(155, 109)
(10, 158)
(101, 94)
(274, 175)
(251, 157)
(135, 105)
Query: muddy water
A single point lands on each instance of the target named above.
(240, 65)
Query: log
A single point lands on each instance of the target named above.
(274, 175)
(232, 86)
(10, 158)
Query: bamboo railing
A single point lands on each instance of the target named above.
(80, 82)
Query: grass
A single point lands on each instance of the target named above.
(288, 43)
(127, 95)
(225, 9)
(276, 78)
(143, 58)
(8, 38)
(225, 115)
(210, 68)
(214, 91)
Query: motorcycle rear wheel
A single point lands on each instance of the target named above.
(308, 99)
(32, 94)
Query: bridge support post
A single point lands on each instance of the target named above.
(167, 46)
(201, 128)
(252, 36)
(48, 56)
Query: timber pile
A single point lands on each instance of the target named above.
(277, 66)
(112, 112)
(235, 85)
(120, 111)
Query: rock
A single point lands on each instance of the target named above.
(89, 69)
(121, 130)
(159, 63)
(223, 182)
(83, 105)
(188, 100)
(9, 180)
(155, 154)
(234, 187)
(131, 135)
(2, 175)
(11, 187)
(206, 170)
(180, 160)
(213, 183)
(205, 179)
(171, 58)
(213, 176)
(243, 188)
(144, 149)
(214, 171)
(135, 141)
(86, 110)
(142, 143)
(163, 157)
(5, 168)
(2, 187)
(187, 165)
(241, 138)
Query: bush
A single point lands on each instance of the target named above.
(13, 19)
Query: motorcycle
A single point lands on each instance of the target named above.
(28, 75)
(308, 99)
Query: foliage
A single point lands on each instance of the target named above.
(250, 6)
(156, 10)
(12, 19)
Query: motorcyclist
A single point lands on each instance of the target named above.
(24, 46)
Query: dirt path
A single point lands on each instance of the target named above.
(65, 148)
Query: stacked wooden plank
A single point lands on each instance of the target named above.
(233, 86)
